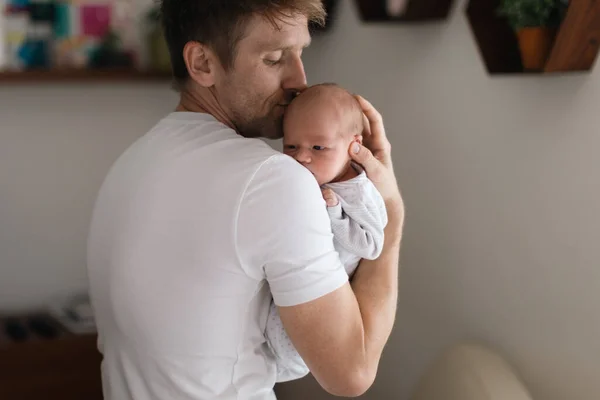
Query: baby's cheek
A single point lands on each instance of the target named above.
(326, 172)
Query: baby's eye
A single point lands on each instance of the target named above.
(289, 147)
(319, 147)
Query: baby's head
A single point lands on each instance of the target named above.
(318, 128)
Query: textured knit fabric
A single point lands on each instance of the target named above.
(357, 223)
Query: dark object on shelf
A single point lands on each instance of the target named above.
(22, 329)
(330, 7)
(42, 11)
(408, 11)
(34, 327)
(109, 54)
(111, 59)
(15, 330)
(43, 327)
(574, 48)
(36, 53)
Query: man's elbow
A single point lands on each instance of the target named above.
(353, 383)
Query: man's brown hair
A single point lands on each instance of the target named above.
(221, 24)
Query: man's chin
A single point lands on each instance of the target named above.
(271, 128)
(271, 134)
(275, 135)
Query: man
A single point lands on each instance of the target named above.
(197, 225)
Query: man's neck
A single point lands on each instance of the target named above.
(195, 98)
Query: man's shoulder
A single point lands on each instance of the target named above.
(197, 131)
(280, 183)
(285, 166)
(286, 174)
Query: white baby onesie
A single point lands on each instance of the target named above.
(357, 223)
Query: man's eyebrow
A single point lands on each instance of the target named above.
(275, 46)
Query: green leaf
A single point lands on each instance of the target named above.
(533, 13)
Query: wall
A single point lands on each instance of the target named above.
(56, 145)
(500, 177)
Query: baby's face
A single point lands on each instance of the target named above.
(315, 140)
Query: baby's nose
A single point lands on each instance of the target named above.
(303, 156)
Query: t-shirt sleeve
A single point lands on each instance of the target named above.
(284, 234)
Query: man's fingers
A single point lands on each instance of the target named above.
(365, 158)
(376, 139)
(374, 117)
(375, 156)
(366, 126)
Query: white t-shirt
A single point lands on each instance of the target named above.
(193, 230)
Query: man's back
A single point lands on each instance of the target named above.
(179, 315)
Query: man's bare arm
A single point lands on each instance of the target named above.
(341, 335)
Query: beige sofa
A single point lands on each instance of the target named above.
(470, 372)
(463, 372)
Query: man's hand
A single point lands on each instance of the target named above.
(376, 158)
(330, 197)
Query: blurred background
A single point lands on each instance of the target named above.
(495, 135)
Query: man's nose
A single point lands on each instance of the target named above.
(295, 78)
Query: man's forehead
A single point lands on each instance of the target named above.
(289, 32)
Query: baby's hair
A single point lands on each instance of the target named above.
(346, 100)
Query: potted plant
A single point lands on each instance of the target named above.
(535, 23)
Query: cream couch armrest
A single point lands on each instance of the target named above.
(470, 372)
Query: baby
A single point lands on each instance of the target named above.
(319, 127)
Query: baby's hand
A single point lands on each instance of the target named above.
(330, 197)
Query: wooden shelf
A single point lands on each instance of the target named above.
(81, 76)
(416, 11)
(575, 47)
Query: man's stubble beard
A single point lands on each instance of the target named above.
(268, 127)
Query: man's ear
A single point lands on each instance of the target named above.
(201, 63)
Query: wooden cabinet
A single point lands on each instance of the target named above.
(65, 367)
